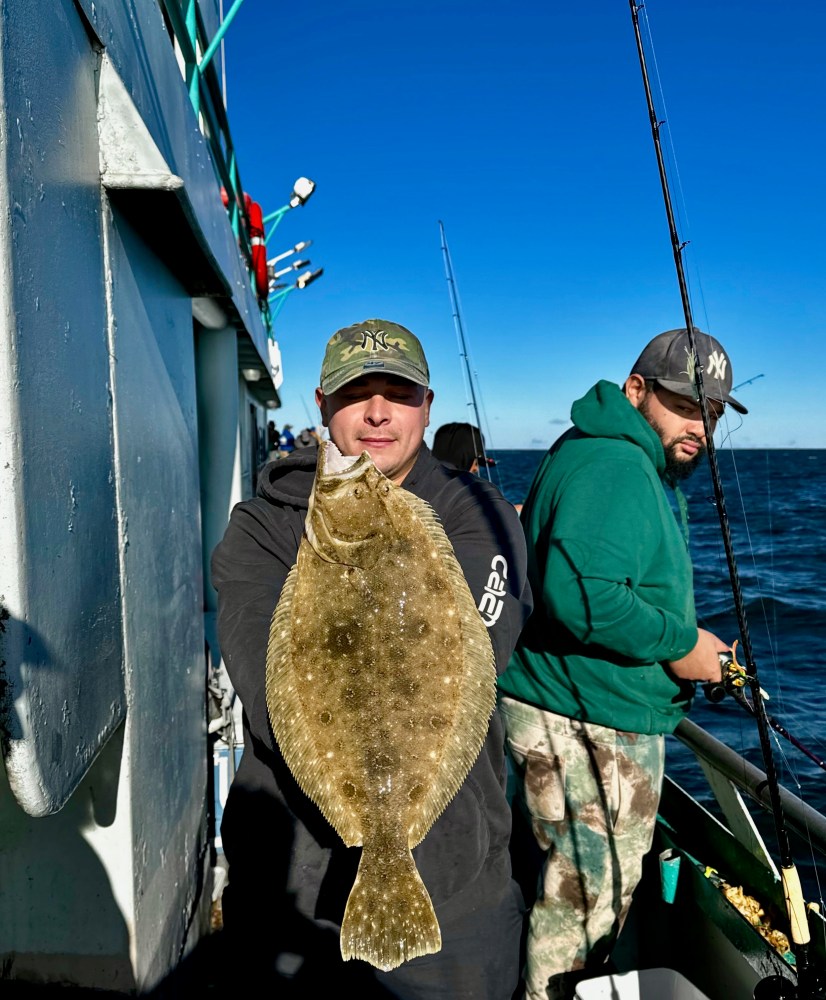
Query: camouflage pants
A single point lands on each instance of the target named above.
(591, 795)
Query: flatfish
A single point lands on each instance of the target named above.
(380, 684)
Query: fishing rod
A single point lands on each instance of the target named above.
(484, 462)
(733, 683)
(748, 381)
(809, 986)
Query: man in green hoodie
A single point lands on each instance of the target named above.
(608, 661)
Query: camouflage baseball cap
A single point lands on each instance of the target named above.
(374, 347)
(667, 359)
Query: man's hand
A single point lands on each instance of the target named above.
(702, 663)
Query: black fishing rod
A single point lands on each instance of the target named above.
(733, 682)
(481, 455)
(809, 987)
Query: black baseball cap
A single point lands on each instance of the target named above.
(668, 359)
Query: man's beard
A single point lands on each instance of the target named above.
(676, 468)
(679, 468)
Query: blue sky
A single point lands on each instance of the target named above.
(525, 130)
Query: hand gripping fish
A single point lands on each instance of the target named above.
(380, 685)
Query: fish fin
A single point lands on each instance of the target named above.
(478, 701)
(287, 710)
(389, 917)
(283, 698)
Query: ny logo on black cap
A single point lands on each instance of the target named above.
(717, 364)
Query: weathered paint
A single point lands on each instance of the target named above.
(110, 222)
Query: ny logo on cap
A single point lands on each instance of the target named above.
(377, 339)
(717, 363)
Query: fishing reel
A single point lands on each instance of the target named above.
(734, 678)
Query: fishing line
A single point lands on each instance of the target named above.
(750, 544)
(807, 979)
(674, 165)
(768, 617)
(674, 171)
(778, 694)
(812, 858)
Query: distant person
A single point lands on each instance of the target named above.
(272, 440)
(286, 441)
(308, 438)
(608, 661)
(462, 445)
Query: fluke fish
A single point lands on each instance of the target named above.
(380, 685)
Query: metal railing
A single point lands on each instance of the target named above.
(196, 51)
(800, 817)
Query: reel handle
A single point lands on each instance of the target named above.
(733, 677)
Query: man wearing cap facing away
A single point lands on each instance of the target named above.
(289, 872)
(609, 658)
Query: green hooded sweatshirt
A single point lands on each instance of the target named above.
(612, 581)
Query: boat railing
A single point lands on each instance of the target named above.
(195, 50)
(724, 766)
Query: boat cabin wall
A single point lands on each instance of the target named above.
(119, 464)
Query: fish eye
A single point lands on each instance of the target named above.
(385, 488)
(357, 491)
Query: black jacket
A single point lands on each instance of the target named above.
(248, 570)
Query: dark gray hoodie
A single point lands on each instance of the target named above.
(274, 837)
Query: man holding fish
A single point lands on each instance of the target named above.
(366, 604)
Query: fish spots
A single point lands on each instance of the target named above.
(435, 582)
(403, 548)
(382, 758)
(406, 685)
(420, 627)
(342, 637)
(380, 684)
(386, 658)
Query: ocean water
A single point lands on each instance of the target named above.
(775, 502)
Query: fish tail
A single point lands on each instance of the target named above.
(389, 917)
